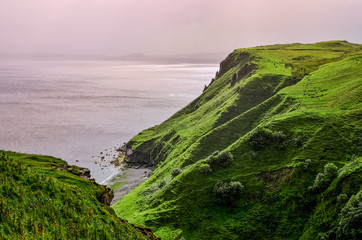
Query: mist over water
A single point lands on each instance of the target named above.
(75, 110)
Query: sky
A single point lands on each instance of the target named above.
(166, 27)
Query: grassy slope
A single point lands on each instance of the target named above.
(310, 92)
(38, 201)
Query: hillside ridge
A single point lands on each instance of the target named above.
(271, 120)
(42, 197)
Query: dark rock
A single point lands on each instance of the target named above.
(85, 173)
(205, 87)
(107, 196)
(232, 60)
(238, 89)
(233, 80)
(246, 70)
(147, 232)
(116, 162)
(137, 158)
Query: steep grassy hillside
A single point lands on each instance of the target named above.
(291, 117)
(40, 201)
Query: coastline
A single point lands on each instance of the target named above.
(126, 180)
(128, 176)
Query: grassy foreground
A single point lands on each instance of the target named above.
(291, 117)
(38, 200)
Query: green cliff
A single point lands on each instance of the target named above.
(291, 117)
(43, 197)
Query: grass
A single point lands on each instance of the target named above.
(309, 92)
(117, 185)
(38, 200)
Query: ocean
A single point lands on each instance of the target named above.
(81, 111)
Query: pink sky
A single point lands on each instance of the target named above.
(119, 27)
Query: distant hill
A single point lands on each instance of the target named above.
(272, 149)
(135, 57)
(185, 58)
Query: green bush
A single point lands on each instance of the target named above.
(342, 198)
(262, 137)
(253, 154)
(320, 182)
(175, 172)
(323, 180)
(350, 226)
(330, 171)
(300, 140)
(221, 159)
(161, 184)
(227, 193)
(278, 136)
(205, 168)
(307, 163)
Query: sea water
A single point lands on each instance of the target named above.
(81, 111)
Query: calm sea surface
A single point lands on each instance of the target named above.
(80, 111)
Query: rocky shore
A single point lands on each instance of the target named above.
(131, 172)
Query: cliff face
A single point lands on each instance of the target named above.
(290, 115)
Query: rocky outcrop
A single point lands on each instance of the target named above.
(233, 60)
(233, 80)
(138, 158)
(131, 158)
(147, 232)
(246, 70)
(85, 173)
(144, 230)
(82, 172)
(107, 196)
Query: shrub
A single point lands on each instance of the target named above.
(283, 145)
(342, 198)
(320, 182)
(330, 171)
(253, 154)
(323, 180)
(205, 169)
(263, 137)
(349, 227)
(175, 172)
(161, 184)
(307, 163)
(279, 136)
(300, 140)
(260, 138)
(227, 193)
(221, 159)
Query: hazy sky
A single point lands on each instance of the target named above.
(119, 27)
